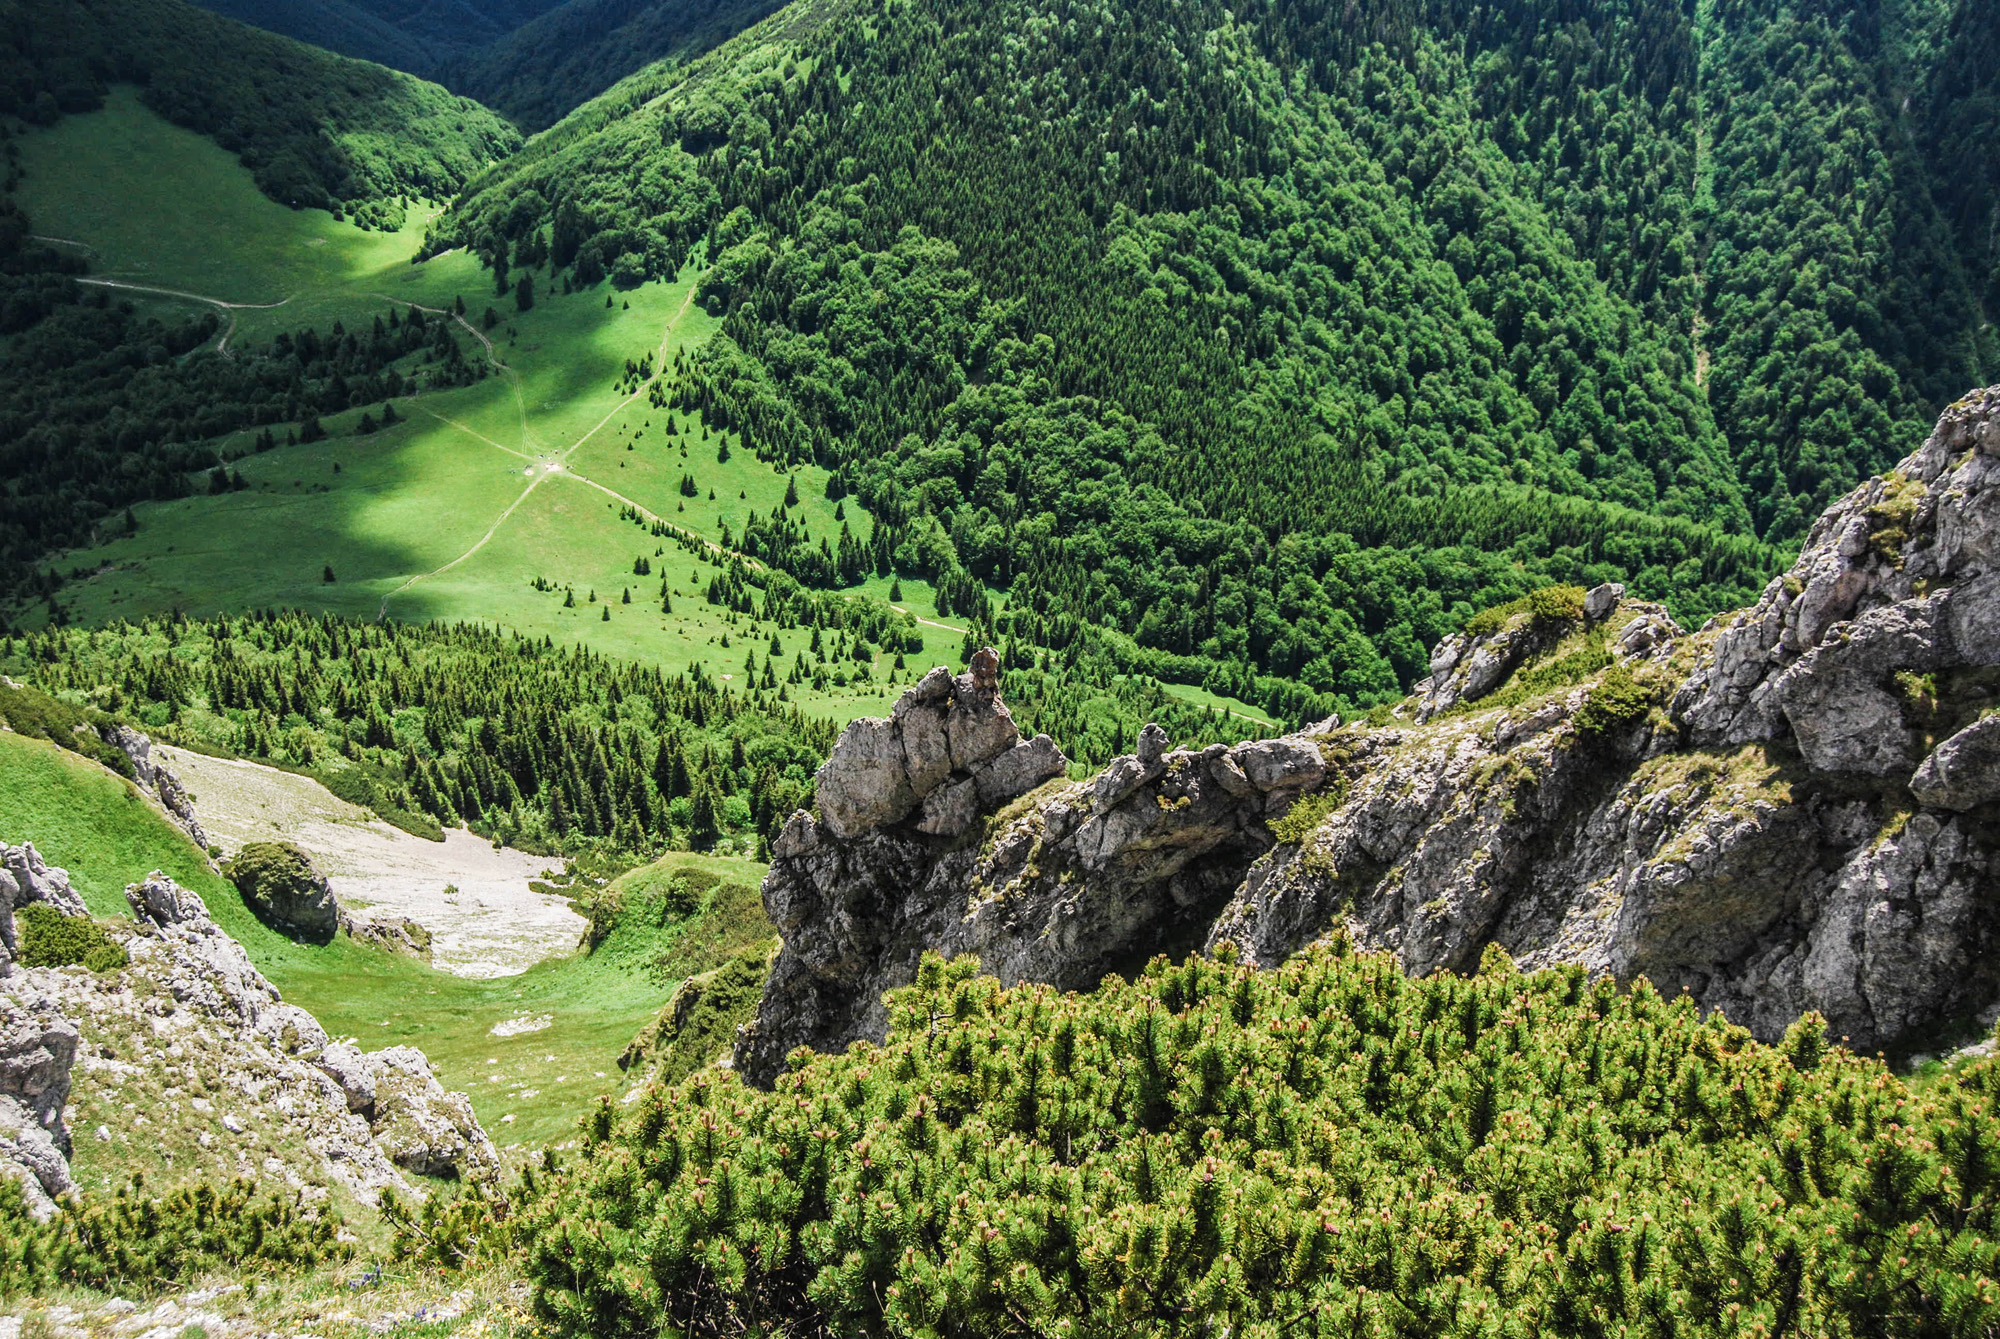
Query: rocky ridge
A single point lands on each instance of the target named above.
(1793, 809)
(190, 1051)
(157, 778)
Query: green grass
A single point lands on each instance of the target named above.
(154, 204)
(454, 512)
(98, 827)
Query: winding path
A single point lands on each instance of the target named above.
(230, 308)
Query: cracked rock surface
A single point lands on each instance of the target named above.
(192, 1053)
(1794, 809)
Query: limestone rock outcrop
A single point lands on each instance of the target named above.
(1901, 576)
(1466, 667)
(29, 878)
(950, 748)
(232, 1078)
(155, 776)
(1795, 808)
(37, 1050)
(423, 1128)
(1062, 887)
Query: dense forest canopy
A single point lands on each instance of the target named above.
(549, 748)
(1223, 327)
(575, 51)
(1242, 346)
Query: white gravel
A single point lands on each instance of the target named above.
(484, 919)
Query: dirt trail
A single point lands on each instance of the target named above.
(928, 622)
(228, 308)
(512, 377)
(382, 610)
(659, 371)
(553, 466)
(492, 925)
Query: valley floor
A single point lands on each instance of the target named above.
(484, 918)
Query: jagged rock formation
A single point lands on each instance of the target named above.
(190, 1047)
(1061, 889)
(157, 777)
(1793, 809)
(37, 1047)
(25, 877)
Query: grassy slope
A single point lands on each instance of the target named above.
(160, 206)
(156, 204)
(97, 827)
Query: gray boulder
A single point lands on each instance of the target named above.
(280, 885)
(1009, 775)
(390, 933)
(1964, 771)
(1600, 601)
(353, 1072)
(423, 1128)
(158, 901)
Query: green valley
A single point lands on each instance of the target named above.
(92, 822)
(797, 668)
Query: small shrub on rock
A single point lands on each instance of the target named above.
(50, 939)
(1617, 702)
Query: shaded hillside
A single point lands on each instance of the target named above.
(419, 36)
(337, 25)
(577, 50)
(317, 130)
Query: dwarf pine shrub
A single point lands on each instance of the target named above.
(1330, 1147)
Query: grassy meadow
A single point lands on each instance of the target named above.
(454, 512)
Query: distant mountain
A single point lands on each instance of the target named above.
(417, 36)
(339, 26)
(577, 50)
(534, 60)
(318, 130)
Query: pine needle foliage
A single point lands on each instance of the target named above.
(1331, 1147)
(136, 1238)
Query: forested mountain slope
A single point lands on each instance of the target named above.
(337, 25)
(579, 49)
(414, 35)
(317, 130)
(531, 59)
(1225, 327)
